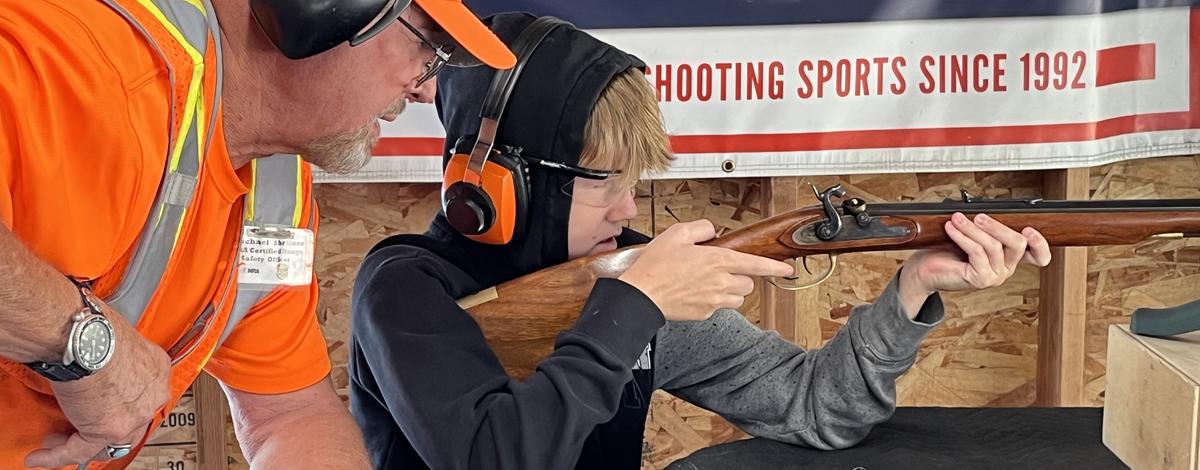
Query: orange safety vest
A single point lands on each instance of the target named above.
(186, 36)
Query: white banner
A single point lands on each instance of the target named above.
(926, 95)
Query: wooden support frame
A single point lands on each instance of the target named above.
(794, 314)
(1062, 314)
(212, 412)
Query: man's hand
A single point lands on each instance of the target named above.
(690, 282)
(992, 250)
(112, 406)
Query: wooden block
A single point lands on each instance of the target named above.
(182, 457)
(179, 427)
(1152, 407)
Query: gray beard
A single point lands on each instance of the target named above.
(341, 153)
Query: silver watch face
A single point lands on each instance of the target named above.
(95, 344)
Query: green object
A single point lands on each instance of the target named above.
(1166, 321)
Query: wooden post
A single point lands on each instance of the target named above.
(212, 412)
(792, 313)
(1062, 314)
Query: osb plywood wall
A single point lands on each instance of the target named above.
(983, 355)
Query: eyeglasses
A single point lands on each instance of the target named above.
(596, 193)
(595, 188)
(443, 54)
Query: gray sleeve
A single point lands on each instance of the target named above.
(826, 398)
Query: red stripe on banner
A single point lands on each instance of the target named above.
(409, 146)
(1124, 64)
(936, 137)
(1133, 56)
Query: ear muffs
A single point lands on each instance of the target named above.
(491, 209)
(302, 29)
(485, 189)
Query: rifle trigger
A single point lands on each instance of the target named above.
(804, 261)
(795, 272)
(833, 258)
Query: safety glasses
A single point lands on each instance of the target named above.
(444, 54)
(595, 188)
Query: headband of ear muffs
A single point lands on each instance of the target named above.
(302, 29)
(485, 186)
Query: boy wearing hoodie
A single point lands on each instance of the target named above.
(428, 392)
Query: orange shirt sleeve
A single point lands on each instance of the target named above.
(278, 347)
(82, 134)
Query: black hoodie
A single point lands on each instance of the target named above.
(424, 386)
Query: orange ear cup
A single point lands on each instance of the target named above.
(491, 207)
(486, 208)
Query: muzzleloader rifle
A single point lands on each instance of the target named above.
(520, 318)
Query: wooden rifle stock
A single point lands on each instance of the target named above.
(521, 318)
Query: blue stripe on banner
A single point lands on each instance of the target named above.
(595, 14)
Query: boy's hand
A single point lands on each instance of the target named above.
(690, 282)
(992, 251)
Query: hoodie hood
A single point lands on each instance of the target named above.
(546, 116)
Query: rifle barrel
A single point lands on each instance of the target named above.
(1031, 206)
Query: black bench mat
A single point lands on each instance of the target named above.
(938, 438)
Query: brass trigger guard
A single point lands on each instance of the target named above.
(833, 257)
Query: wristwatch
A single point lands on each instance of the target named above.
(90, 343)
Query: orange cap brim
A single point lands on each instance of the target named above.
(469, 32)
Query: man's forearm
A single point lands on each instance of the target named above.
(319, 439)
(36, 302)
(308, 428)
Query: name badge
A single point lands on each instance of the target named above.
(276, 256)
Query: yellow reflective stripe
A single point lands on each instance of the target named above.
(161, 208)
(182, 217)
(201, 130)
(190, 106)
(249, 210)
(197, 74)
(201, 127)
(299, 192)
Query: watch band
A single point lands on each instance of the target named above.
(72, 371)
(59, 372)
(89, 297)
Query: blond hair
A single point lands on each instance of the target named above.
(625, 131)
